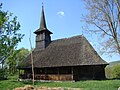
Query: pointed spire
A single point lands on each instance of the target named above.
(43, 22)
(43, 26)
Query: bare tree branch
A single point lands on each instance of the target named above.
(105, 15)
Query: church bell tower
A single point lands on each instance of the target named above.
(43, 38)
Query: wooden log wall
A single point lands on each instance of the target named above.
(53, 77)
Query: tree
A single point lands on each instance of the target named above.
(22, 54)
(11, 62)
(105, 16)
(15, 59)
(116, 71)
(113, 71)
(9, 36)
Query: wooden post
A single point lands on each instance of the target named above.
(45, 74)
(32, 67)
(93, 73)
(58, 74)
(32, 59)
(72, 72)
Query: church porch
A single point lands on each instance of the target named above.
(49, 73)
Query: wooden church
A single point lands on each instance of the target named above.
(68, 59)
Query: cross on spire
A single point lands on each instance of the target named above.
(42, 2)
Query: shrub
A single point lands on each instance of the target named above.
(116, 71)
(3, 74)
(108, 72)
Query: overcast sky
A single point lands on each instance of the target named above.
(63, 18)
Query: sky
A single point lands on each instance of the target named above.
(63, 18)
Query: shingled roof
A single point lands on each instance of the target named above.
(74, 51)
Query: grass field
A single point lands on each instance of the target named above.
(85, 85)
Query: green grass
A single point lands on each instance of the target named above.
(12, 82)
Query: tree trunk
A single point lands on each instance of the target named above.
(117, 45)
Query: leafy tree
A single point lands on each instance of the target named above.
(9, 36)
(113, 71)
(116, 71)
(23, 53)
(104, 15)
(12, 61)
(16, 58)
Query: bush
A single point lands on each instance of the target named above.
(113, 71)
(108, 72)
(116, 71)
(3, 74)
